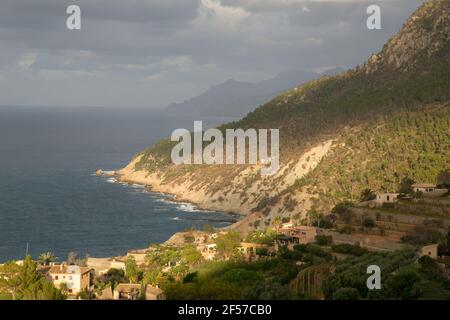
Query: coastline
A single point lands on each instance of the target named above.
(179, 192)
(235, 218)
(174, 198)
(167, 197)
(228, 200)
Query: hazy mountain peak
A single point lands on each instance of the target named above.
(237, 98)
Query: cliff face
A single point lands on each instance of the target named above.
(226, 188)
(366, 128)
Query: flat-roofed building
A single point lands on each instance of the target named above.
(386, 197)
(430, 250)
(429, 189)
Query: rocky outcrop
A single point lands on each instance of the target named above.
(240, 195)
(425, 33)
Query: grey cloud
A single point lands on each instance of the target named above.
(125, 45)
(49, 13)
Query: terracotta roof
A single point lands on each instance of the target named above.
(127, 287)
(63, 270)
(153, 290)
(106, 294)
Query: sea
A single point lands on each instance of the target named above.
(51, 199)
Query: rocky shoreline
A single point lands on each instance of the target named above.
(240, 191)
(180, 192)
(171, 197)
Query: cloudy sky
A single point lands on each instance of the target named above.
(153, 52)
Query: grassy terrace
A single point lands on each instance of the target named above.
(5, 296)
(395, 211)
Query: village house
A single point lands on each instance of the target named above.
(250, 250)
(106, 294)
(19, 262)
(77, 279)
(170, 265)
(430, 250)
(103, 265)
(127, 291)
(428, 189)
(214, 236)
(132, 291)
(287, 225)
(297, 235)
(304, 234)
(208, 251)
(387, 197)
(154, 293)
(285, 241)
(424, 187)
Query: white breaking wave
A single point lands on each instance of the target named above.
(182, 206)
(187, 207)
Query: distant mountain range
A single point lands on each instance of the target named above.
(237, 98)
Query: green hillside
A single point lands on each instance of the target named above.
(382, 152)
(389, 118)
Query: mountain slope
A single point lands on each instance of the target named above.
(369, 127)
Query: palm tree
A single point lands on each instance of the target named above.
(313, 216)
(367, 195)
(46, 258)
(277, 223)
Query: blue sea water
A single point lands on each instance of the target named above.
(51, 199)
